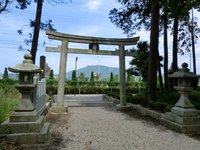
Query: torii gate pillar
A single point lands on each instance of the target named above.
(122, 74)
(59, 108)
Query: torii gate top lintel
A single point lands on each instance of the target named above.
(89, 39)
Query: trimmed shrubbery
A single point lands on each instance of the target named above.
(91, 87)
(194, 96)
(164, 102)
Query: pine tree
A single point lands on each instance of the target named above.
(5, 74)
(92, 76)
(111, 77)
(82, 76)
(51, 75)
(73, 75)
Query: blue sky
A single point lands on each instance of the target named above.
(81, 17)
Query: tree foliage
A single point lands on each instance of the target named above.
(36, 24)
(51, 74)
(139, 64)
(132, 15)
(3, 5)
(82, 77)
(92, 76)
(73, 75)
(5, 74)
(111, 77)
(184, 35)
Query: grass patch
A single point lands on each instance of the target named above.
(9, 98)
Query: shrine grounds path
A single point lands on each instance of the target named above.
(104, 128)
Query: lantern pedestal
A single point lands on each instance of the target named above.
(183, 116)
(185, 123)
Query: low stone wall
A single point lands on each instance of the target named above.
(142, 110)
(110, 99)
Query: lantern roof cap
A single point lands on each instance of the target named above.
(26, 66)
(184, 72)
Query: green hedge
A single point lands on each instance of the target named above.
(194, 96)
(94, 87)
(164, 102)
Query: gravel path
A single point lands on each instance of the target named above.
(103, 128)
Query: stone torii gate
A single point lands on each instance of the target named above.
(93, 44)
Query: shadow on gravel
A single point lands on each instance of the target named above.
(133, 115)
(57, 121)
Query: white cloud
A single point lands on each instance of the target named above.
(93, 4)
(87, 30)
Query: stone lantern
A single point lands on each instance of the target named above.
(26, 72)
(183, 116)
(25, 124)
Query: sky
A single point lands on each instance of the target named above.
(80, 17)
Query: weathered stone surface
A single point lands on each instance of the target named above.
(24, 127)
(184, 120)
(59, 109)
(23, 116)
(127, 107)
(30, 138)
(187, 129)
(189, 112)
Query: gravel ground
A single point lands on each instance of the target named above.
(103, 128)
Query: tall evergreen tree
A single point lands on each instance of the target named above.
(5, 74)
(180, 14)
(73, 75)
(51, 74)
(82, 77)
(139, 64)
(111, 77)
(165, 41)
(153, 55)
(92, 76)
(132, 16)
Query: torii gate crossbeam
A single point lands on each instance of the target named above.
(93, 49)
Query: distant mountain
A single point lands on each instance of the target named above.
(103, 70)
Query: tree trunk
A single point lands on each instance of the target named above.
(165, 42)
(36, 30)
(3, 5)
(175, 47)
(193, 45)
(160, 75)
(152, 69)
